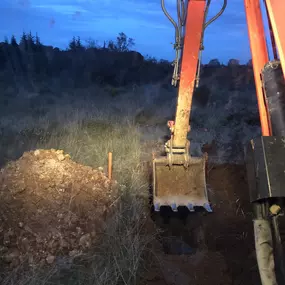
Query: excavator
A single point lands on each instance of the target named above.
(179, 179)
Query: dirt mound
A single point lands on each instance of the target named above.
(50, 206)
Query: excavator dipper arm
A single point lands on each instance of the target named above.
(178, 178)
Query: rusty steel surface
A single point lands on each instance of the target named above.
(193, 33)
(180, 186)
(276, 12)
(260, 57)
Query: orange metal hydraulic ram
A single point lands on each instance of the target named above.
(276, 12)
(259, 55)
(191, 48)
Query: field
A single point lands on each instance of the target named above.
(63, 221)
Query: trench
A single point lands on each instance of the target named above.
(218, 246)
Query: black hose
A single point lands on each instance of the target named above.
(218, 15)
(206, 24)
(170, 19)
(182, 14)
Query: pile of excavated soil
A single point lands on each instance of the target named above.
(51, 206)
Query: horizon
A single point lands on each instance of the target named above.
(98, 20)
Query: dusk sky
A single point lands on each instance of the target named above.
(57, 21)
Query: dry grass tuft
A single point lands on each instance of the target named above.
(118, 259)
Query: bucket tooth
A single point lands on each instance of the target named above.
(156, 207)
(174, 207)
(208, 207)
(190, 207)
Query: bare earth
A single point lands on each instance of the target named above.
(215, 248)
(50, 206)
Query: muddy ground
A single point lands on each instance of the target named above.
(209, 248)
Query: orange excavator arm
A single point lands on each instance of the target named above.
(180, 179)
(194, 29)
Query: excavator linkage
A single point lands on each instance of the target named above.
(178, 178)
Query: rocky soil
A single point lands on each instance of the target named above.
(51, 208)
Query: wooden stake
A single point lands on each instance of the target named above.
(110, 162)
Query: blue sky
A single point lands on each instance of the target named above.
(57, 21)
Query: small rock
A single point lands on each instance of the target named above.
(50, 259)
(61, 157)
(85, 241)
(107, 183)
(25, 244)
(78, 230)
(36, 152)
(101, 169)
(74, 253)
(59, 215)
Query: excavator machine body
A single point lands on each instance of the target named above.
(178, 178)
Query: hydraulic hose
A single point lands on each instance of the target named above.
(217, 15)
(264, 245)
(264, 251)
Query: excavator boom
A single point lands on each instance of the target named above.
(178, 178)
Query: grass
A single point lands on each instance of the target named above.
(88, 134)
(120, 257)
(88, 127)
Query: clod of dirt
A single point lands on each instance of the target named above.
(50, 259)
(51, 206)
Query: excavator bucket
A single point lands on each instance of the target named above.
(179, 185)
